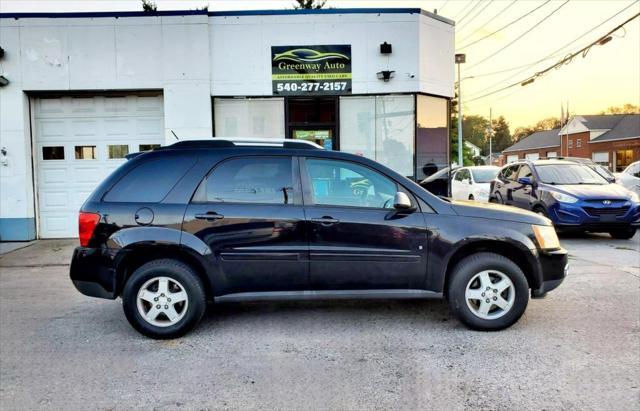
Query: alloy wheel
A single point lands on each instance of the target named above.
(162, 301)
(490, 294)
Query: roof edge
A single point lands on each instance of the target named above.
(228, 13)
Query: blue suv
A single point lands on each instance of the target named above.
(571, 194)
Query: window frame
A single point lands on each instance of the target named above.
(200, 194)
(307, 187)
(522, 167)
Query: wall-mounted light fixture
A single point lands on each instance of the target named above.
(385, 48)
(3, 81)
(385, 75)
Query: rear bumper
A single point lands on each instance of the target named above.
(554, 267)
(92, 272)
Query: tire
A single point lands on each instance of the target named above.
(623, 233)
(540, 210)
(182, 282)
(468, 273)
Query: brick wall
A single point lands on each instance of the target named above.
(577, 145)
(614, 148)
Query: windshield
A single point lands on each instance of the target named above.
(484, 175)
(569, 174)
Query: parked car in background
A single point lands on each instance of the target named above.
(438, 182)
(473, 183)
(222, 220)
(630, 177)
(571, 194)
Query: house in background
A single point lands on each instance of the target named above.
(475, 150)
(541, 144)
(612, 140)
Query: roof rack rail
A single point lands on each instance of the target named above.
(244, 142)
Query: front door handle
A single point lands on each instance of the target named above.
(325, 221)
(209, 216)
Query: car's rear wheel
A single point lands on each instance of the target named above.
(164, 299)
(488, 292)
(623, 233)
(540, 210)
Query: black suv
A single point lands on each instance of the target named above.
(231, 220)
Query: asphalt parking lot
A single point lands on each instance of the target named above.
(577, 349)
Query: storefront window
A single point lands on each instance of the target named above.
(257, 117)
(380, 128)
(432, 136)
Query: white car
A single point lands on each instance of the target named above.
(472, 183)
(630, 177)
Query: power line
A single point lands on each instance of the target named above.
(463, 9)
(479, 2)
(548, 56)
(486, 4)
(505, 26)
(568, 59)
(490, 19)
(522, 35)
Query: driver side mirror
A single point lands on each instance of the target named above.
(401, 202)
(525, 181)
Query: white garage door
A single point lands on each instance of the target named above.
(512, 158)
(532, 156)
(78, 142)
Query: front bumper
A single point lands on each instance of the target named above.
(554, 267)
(595, 216)
(93, 272)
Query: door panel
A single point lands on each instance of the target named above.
(360, 247)
(521, 192)
(248, 211)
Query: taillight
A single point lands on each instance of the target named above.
(87, 222)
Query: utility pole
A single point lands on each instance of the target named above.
(460, 59)
(490, 137)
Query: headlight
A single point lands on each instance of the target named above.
(546, 236)
(563, 198)
(635, 197)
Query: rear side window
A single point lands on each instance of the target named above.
(149, 182)
(258, 180)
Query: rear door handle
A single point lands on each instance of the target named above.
(209, 216)
(325, 221)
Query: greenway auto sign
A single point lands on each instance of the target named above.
(307, 70)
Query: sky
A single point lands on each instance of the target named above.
(609, 74)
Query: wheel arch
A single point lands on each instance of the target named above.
(521, 256)
(136, 255)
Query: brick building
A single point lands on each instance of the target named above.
(610, 140)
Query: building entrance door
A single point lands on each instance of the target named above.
(313, 119)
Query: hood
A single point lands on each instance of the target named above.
(497, 212)
(593, 192)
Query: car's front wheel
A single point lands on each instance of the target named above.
(623, 233)
(488, 292)
(164, 299)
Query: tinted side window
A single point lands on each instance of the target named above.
(149, 182)
(510, 173)
(266, 180)
(458, 176)
(525, 171)
(342, 183)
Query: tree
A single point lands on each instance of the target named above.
(309, 4)
(474, 130)
(467, 155)
(502, 136)
(149, 6)
(624, 109)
